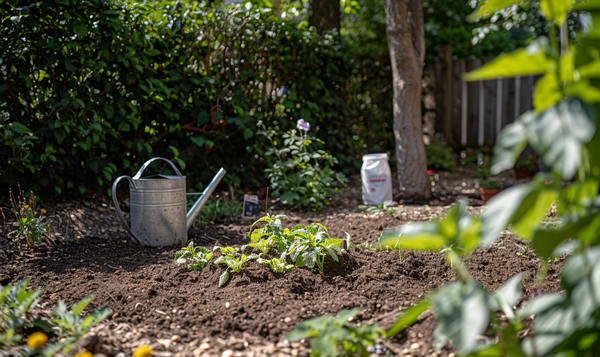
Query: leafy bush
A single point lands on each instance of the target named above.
(440, 156)
(94, 88)
(562, 131)
(336, 336)
(15, 303)
(31, 224)
(213, 210)
(301, 174)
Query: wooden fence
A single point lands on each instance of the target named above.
(473, 113)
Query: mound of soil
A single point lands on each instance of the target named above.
(181, 313)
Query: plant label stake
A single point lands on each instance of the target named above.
(250, 208)
(158, 206)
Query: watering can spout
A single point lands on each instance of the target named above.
(195, 210)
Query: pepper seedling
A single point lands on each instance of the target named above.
(233, 263)
(276, 265)
(196, 257)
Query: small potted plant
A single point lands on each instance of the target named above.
(489, 189)
(523, 166)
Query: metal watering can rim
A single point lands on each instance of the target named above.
(191, 214)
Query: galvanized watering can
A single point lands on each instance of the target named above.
(158, 206)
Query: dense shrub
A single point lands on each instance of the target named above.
(94, 88)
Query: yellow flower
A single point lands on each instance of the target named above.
(142, 351)
(26, 207)
(85, 353)
(327, 203)
(37, 340)
(43, 211)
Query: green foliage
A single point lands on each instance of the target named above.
(303, 246)
(31, 224)
(440, 156)
(276, 265)
(384, 207)
(87, 99)
(526, 162)
(232, 259)
(336, 336)
(17, 300)
(300, 172)
(562, 131)
(490, 184)
(195, 257)
(214, 210)
(72, 323)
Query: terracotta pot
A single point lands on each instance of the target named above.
(487, 193)
(522, 173)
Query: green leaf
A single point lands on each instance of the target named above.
(223, 278)
(248, 134)
(522, 62)
(81, 30)
(419, 236)
(556, 10)
(409, 317)
(198, 140)
(462, 315)
(546, 93)
(507, 295)
(19, 128)
(558, 134)
(510, 144)
(78, 308)
(488, 7)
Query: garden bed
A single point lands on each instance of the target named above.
(186, 313)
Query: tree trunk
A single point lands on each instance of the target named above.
(324, 14)
(406, 41)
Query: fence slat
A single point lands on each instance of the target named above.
(473, 113)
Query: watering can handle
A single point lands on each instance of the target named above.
(147, 163)
(114, 197)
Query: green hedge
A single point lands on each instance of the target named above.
(91, 89)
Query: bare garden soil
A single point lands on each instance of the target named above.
(183, 313)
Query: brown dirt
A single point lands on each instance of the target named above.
(154, 302)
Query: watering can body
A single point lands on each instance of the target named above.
(158, 206)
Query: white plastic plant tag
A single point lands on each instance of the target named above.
(376, 178)
(251, 206)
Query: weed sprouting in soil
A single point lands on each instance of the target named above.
(32, 224)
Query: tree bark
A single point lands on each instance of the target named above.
(406, 41)
(324, 14)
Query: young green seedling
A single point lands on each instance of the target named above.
(263, 245)
(311, 244)
(276, 265)
(233, 263)
(196, 257)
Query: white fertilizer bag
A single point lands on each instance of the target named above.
(376, 178)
